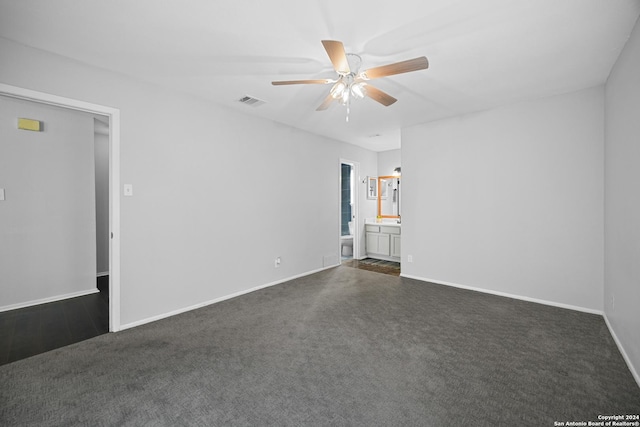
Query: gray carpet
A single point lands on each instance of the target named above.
(341, 347)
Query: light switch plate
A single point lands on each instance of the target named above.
(128, 189)
(1, 193)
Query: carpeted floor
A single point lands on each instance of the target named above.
(340, 347)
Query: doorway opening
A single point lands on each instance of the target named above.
(112, 117)
(348, 210)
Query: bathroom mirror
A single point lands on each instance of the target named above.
(372, 187)
(389, 196)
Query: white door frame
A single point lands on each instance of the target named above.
(114, 180)
(355, 214)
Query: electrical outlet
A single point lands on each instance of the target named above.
(409, 258)
(277, 262)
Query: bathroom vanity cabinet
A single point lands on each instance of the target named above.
(383, 241)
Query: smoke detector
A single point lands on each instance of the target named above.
(250, 100)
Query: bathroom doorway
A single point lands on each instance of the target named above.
(348, 210)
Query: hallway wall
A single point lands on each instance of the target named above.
(101, 145)
(47, 222)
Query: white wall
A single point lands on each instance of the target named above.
(510, 200)
(181, 243)
(622, 200)
(388, 161)
(47, 222)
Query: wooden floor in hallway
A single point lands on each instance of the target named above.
(379, 266)
(33, 330)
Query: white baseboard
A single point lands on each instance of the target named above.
(277, 282)
(104, 273)
(49, 299)
(219, 299)
(508, 295)
(625, 356)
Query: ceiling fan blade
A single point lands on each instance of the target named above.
(396, 68)
(325, 104)
(380, 96)
(303, 82)
(337, 55)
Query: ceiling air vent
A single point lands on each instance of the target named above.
(249, 100)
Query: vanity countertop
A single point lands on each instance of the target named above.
(391, 223)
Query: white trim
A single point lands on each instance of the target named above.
(219, 299)
(505, 294)
(48, 299)
(114, 177)
(114, 220)
(625, 356)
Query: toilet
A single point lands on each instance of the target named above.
(347, 241)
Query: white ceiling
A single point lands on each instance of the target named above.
(482, 53)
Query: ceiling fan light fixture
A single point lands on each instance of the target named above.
(358, 90)
(338, 89)
(345, 97)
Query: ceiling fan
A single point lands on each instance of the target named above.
(353, 83)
